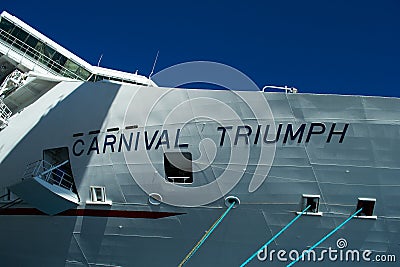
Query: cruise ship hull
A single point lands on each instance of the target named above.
(270, 151)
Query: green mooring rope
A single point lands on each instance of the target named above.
(205, 236)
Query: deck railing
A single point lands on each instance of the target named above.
(37, 57)
(5, 114)
(49, 173)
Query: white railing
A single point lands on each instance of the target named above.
(49, 173)
(285, 88)
(5, 114)
(38, 57)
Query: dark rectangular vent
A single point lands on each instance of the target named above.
(367, 205)
(178, 167)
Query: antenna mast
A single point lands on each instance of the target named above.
(98, 62)
(154, 65)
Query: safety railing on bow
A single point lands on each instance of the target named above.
(49, 173)
(5, 114)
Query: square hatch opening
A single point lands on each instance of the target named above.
(367, 205)
(178, 167)
(313, 202)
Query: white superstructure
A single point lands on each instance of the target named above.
(29, 50)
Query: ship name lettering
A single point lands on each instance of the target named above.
(246, 134)
(239, 135)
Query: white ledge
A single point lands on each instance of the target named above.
(310, 213)
(107, 202)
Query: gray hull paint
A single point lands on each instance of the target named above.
(365, 165)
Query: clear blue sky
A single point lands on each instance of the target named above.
(346, 47)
